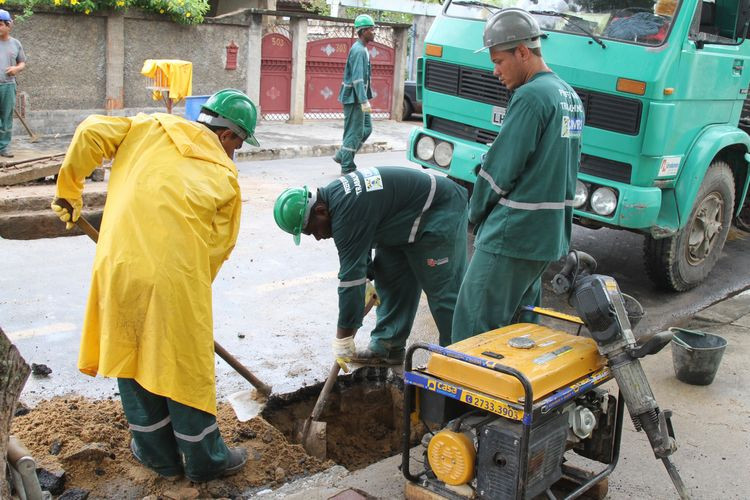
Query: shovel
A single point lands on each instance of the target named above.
(314, 435)
(246, 404)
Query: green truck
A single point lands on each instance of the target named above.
(665, 90)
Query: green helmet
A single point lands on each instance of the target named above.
(363, 21)
(292, 210)
(236, 112)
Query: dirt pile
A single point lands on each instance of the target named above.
(89, 439)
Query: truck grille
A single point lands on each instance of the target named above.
(605, 169)
(604, 111)
(460, 130)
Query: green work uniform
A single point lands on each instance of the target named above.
(170, 437)
(522, 204)
(11, 53)
(355, 90)
(416, 221)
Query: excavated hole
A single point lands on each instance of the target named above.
(363, 416)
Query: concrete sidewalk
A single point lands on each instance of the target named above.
(710, 425)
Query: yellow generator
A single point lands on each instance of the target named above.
(505, 407)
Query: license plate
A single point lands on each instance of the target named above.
(498, 113)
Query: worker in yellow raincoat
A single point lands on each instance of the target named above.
(171, 219)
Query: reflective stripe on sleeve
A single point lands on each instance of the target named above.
(484, 175)
(348, 149)
(348, 284)
(545, 205)
(198, 437)
(427, 204)
(150, 428)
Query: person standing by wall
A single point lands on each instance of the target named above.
(12, 62)
(355, 95)
(522, 202)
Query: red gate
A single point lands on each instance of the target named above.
(326, 60)
(275, 76)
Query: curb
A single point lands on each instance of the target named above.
(306, 151)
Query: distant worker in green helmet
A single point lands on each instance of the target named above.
(522, 203)
(416, 222)
(355, 95)
(171, 219)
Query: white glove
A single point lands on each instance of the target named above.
(367, 107)
(343, 350)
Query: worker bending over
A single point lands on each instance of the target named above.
(170, 221)
(522, 202)
(416, 222)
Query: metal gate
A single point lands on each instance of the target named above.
(324, 71)
(275, 77)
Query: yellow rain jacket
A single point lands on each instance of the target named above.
(171, 219)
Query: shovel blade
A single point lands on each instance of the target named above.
(315, 441)
(246, 404)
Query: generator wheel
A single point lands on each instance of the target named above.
(684, 260)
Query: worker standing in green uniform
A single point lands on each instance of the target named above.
(355, 95)
(415, 220)
(522, 199)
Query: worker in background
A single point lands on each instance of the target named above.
(415, 220)
(12, 62)
(523, 195)
(171, 219)
(355, 95)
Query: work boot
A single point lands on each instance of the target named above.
(6, 153)
(237, 460)
(134, 451)
(370, 357)
(348, 171)
(337, 158)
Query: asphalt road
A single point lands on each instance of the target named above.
(275, 304)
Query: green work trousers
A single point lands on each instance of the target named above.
(493, 292)
(435, 264)
(7, 103)
(357, 128)
(172, 438)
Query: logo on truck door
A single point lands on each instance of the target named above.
(498, 114)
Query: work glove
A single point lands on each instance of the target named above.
(371, 293)
(343, 350)
(366, 107)
(65, 216)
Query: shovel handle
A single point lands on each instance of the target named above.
(82, 223)
(242, 370)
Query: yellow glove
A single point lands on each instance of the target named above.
(366, 107)
(371, 293)
(343, 350)
(63, 213)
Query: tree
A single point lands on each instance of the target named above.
(180, 11)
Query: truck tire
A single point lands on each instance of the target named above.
(682, 261)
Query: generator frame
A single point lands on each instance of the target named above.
(414, 379)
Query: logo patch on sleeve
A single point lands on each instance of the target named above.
(373, 179)
(571, 127)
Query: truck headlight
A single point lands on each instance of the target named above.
(425, 148)
(443, 153)
(604, 201)
(582, 194)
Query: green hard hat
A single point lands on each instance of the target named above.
(292, 209)
(236, 112)
(363, 21)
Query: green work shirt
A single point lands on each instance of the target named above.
(356, 85)
(522, 202)
(384, 207)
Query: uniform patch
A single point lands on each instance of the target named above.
(437, 262)
(373, 179)
(571, 127)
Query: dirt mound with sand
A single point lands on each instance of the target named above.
(89, 440)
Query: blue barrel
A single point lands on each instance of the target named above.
(193, 105)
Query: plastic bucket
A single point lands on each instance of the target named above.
(697, 357)
(193, 105)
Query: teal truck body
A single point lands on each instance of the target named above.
(665, 90)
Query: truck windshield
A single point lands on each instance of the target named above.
(645, 22)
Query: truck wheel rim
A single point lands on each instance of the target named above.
(706, 228)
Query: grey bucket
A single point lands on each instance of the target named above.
(696, 356)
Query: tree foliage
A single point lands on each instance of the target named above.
(180, 11)
(322, 8)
